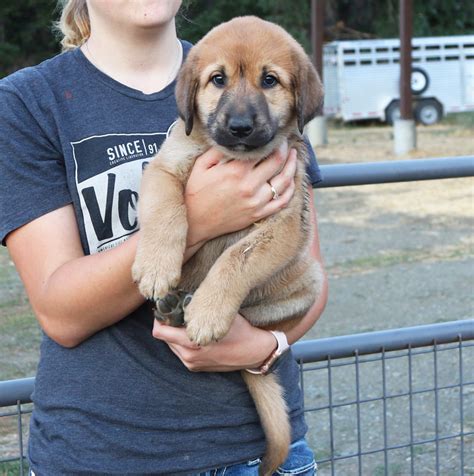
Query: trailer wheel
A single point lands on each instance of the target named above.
(392, 113)
(428, 111)
(419, 81)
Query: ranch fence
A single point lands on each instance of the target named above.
(417, 415)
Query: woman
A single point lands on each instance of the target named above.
(113, 396)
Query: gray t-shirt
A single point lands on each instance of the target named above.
(121, 402)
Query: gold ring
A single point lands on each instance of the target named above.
(275, 195)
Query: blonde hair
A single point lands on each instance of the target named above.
(74, 24)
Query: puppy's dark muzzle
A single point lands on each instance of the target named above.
(243, 133)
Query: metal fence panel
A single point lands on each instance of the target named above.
(394, 412)
(395, 402)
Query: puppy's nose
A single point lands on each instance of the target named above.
(240, 126)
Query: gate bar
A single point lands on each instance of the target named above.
(388, 340)
(365, 173)
(16, 391)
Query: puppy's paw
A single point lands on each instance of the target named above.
(202, 332)
(170, 309)
(205, 324)
(154, 279)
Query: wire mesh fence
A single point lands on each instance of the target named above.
(396, 402)
(13, 436)
(398, 412)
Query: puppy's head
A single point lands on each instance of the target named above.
(246, 85)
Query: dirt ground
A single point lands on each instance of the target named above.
(396, 255)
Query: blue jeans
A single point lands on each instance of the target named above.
(300, 462)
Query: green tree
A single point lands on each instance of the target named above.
(380, 17)
(199, 16)
(26, 25)
(25, 33)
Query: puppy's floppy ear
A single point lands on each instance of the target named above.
(186, 89)
(308, 91)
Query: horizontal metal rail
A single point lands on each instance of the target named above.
(19, 390)
(365, 173)
(16, 391)
(392, 339)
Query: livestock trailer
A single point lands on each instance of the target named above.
(361, 78)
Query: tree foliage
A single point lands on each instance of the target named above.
(377, 18)
(26, 25)
(26, 33)
(197, 17)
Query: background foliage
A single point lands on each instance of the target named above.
(26, 25)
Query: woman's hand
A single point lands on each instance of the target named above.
(225, 197)
(244, 346)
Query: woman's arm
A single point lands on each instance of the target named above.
(244, 346)
(74, 296)
(318, 307)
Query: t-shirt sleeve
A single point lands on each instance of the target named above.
(312, 167)
(32, 173)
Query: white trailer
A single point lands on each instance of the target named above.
(361, 78)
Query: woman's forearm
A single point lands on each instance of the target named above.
(311, 317)
(88, 293)
(92, 292)
(317, 308)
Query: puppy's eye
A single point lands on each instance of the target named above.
(218, 80)
(269, 81)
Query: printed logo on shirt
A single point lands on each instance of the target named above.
(109, 169)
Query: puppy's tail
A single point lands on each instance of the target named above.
(271, 407)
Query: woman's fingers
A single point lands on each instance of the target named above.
(280, 183)
(275, 194)
(172, 335)
(272, 165)
(210, 158)
(273, 206)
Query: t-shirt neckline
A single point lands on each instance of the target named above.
(120, 87)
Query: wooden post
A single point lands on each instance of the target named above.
(317, 128)
(404, 129)
(317, 34)
(406, 33)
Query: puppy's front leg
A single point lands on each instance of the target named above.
(163, 229)
(241, 268)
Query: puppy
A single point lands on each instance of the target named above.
(245, 88)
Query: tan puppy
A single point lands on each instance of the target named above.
(246, 87)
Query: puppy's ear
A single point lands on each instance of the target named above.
(186, 89)
(308, 91)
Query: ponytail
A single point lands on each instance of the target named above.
(74, 24)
